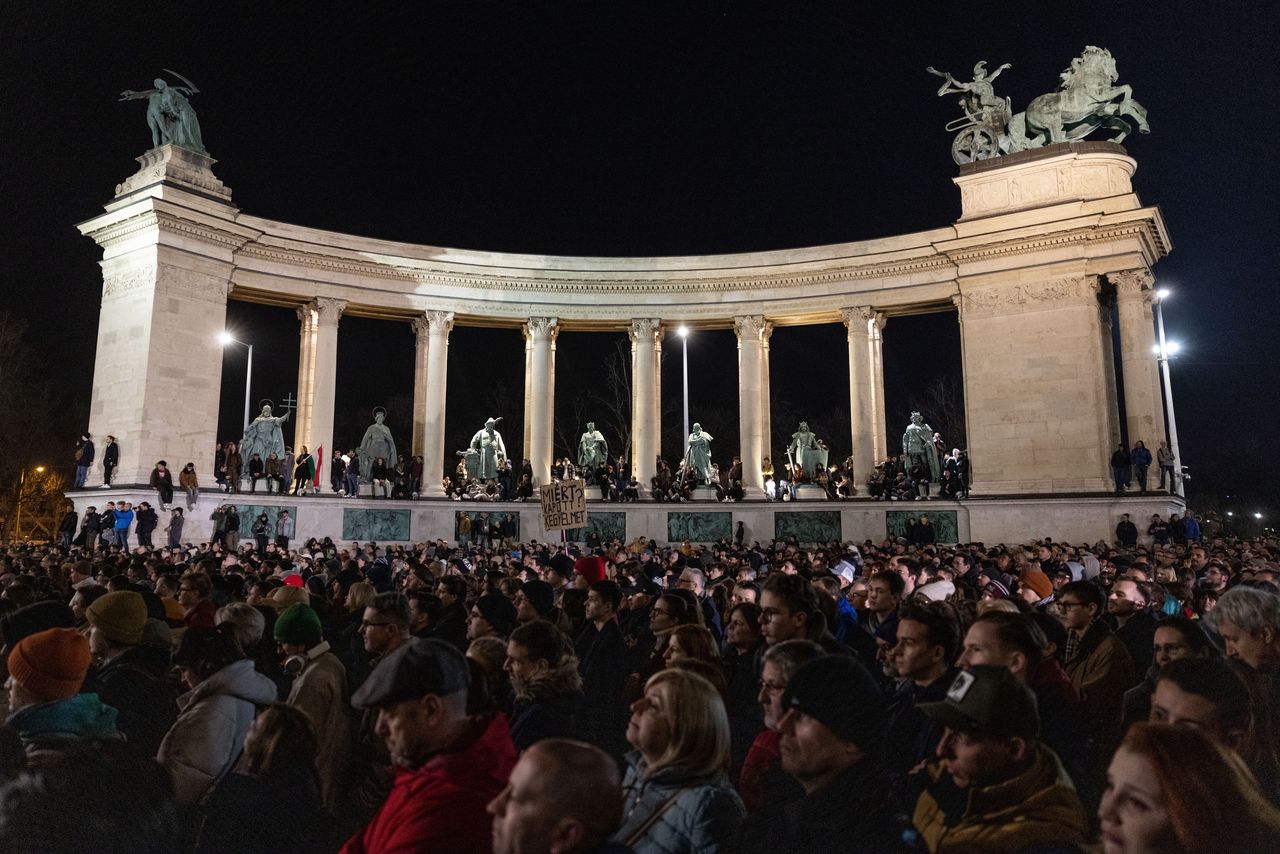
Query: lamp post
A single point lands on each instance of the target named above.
(1164, 350)
(17, 514)
(684, 336)
(227, 340)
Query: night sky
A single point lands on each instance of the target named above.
(640, 129)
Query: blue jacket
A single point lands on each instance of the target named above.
(1191, 528)
(704, 818)
(1140, 457)
(76, 717)
(124, 518)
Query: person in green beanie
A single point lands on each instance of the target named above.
(132, 677)
(320, 690)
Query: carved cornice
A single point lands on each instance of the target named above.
(1047, 294)
(1144, 229)
(125, 229)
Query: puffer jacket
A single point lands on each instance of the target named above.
(704, 817)
(208, 736)
(1037, 807)
(546, 705)
(61, 724)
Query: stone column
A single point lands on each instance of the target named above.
(551, 399)
(749, 329)
(859, 322)
(657, 395)
(317, 430)
(420, 349)
(541, 332)
(880, 444)
(439, 323)
(528, 391)
(306, 373)
(644, 428)
(1138, 364)
(766, 398)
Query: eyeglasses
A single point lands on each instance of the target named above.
(768, 614)
(657, 610)
(770, 687)
(1067, 606)
(365, 624)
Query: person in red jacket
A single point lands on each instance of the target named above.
(449, 766)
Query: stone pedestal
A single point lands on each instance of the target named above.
(810, 492)
(704, 493)
(593, 493)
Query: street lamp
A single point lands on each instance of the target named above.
(17, 514)
(683, 332)
(1164, 349)
(227, 339)
(1258, 516)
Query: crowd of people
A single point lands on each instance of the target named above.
(261, 695)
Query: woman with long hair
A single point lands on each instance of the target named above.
(277, 784)
(743, 642)
(1175, 790)
(676, 791)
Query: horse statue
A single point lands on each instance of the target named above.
(1087, 99)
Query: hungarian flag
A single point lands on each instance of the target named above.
(315, 479)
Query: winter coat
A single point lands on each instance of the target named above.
(440, 806)
(1037, 807)
(320, 690)
(704, 817)
(452, 626)
(111, 455)
(84, 455)
(61, 724)
(135, 684)
(207, 738)
(746, 718)
(147, 521)
(1101, 671)
(762, 782)
(546, 705)
(852, 815)
(602, 661)
(285, 808)
(188, 479)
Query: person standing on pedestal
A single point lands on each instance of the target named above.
(303, 471)
(232, 468)
(353, 474)
(1120, 463)
(83, 459)
(1164, 459)
(1141, 459)
(110, 460)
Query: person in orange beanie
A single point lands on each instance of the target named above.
(46, 671)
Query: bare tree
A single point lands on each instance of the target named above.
(27, 401)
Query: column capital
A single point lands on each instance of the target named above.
(1132, 284)
(420, 325)
(439, 322)
(748, 326)
(766, 332)
(541, 328)
(304, 313)
(646, 328)
(879, 318)
(857, 318)
(328, 309)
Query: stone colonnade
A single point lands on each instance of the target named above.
(1049, 245)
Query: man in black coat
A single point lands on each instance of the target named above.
(452, 624)
(602, 662)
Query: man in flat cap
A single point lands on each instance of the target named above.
(448, 765)
(996, 787)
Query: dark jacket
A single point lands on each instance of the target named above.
(147, 521)
(86, 453)
(1101, 671)
(285, 806)
(602, 661)
(135, 684)
(452, 625)
(910, 736)
(746, 718)
(853, 815)
(111, 455)
(1138, 634)
(547, 705)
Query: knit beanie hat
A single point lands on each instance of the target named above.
(121, 616)
(591, 567)
(1039, 582)
(498, 612)
(839, 692)
(299, 624)
(540, 596)
(51, 664)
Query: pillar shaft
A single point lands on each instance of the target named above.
(880, 444)
(421, 347)
(317, 429)
(749, 329)
(541, 331)
(657, 396)
(1138, 364)
(862, 407)
(644, 428)
(766, 398)
(439, 323)
(528, 392)
(306, 372)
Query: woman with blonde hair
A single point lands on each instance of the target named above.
(677, 795)
(1175, 790)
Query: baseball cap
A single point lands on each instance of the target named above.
(420, 667)
(987, 699)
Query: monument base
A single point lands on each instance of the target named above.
(810, 492)
(593, 493)
(1006, 519)
(704, 493)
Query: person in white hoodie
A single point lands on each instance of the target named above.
(206, 740)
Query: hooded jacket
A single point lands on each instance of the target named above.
(703, 818)
(440, 806)
(546, 705)
(1036, 807)
(207, 738)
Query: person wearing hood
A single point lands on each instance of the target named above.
(319, 689)
(131, 678)
(205, 741)
(46, 671)
(548, 688)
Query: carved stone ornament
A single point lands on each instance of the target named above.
(858, 318)
(748, 326)
(1132, 284)
(541, 328)
(120, 283)
(1035, 294)
(328, 310)
(441, 322)
(644, 328)
(420, 326)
